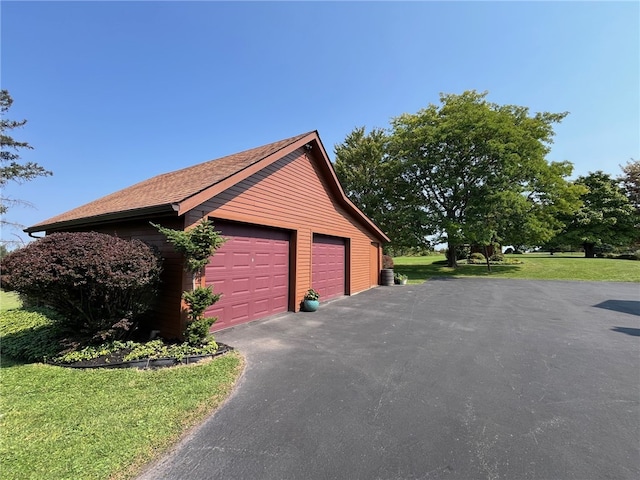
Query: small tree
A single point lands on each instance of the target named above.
(11, 168)
(197, 245)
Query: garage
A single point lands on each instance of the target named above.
(251, 270)
(328, 266)
(289, 222)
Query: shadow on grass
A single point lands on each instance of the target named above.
(425, 272)
(30, 345)
(6, 362)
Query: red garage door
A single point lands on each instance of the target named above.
(328, 266)
(251, 270)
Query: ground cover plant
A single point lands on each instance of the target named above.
(100, 423)
(535, 266)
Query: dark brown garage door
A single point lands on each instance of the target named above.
(251, 270)
(328, 266)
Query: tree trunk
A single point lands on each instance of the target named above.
(486, 257)
(452, 258)
(589, 250)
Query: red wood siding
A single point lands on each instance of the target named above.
(294, 194)
(328, 266)
(374, 261)
(251, 270)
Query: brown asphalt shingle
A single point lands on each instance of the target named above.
(170, 188)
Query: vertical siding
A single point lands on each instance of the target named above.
(375, 261)
(294, 194)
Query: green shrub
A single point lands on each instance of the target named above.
(198, 300)
(197, 331)
(628, 256)
(197, 244)
(497, 257)
(462, 252)
(100, 284)
(477, 258)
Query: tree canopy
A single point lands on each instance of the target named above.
(630, 180)
(606, 216)
(371, 180)
(478, 170)
(466, 171)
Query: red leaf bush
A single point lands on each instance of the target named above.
(99, 283)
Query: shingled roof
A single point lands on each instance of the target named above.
(167, 191)
(177, 192)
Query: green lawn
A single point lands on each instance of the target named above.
(8, 301)
(100, 424)
(538, 266)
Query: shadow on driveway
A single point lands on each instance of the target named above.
(631, 307)
(634, 332)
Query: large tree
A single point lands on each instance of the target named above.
(371, 180)
(11, 168)
(479, 172)
(606, 217)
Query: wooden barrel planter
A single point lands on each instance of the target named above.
(386, 277)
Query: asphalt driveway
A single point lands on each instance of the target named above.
(454, 378)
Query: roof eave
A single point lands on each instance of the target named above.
(134, 214)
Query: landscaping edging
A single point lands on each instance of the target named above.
(150, 364)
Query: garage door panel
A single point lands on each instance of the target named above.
(251, 270)
(328, 266)
(240, 286)
(240, 312)
(239, 260)
(261, 307)
(263, 260)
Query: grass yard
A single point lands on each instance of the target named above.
(535, 266)
(9, 301)
(100, 424)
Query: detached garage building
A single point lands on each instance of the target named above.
(288, 223)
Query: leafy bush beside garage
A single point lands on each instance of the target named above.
(100, 285)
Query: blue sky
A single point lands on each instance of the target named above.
(117, 92)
